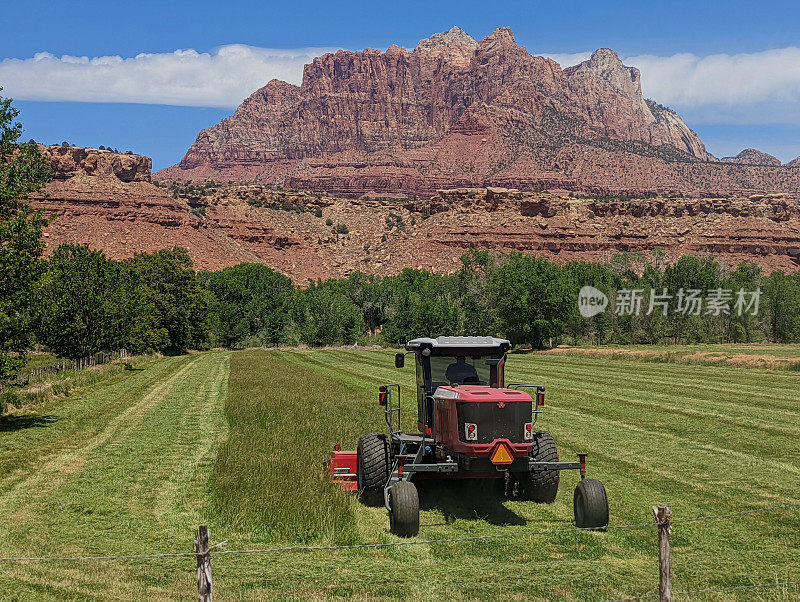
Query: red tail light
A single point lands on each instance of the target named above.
(382, 395)
(527, 434)
(471, 431)
(540, 398)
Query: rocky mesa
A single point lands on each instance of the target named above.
(459, 112)
(106, 200)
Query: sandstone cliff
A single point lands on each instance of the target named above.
(300, 233)
(69, 161)
(106, 200)
(386, 235)
(457, 112)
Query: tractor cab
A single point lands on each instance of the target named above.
(453, 362)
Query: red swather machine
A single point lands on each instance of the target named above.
(470, 425)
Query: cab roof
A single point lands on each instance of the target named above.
(444, 343)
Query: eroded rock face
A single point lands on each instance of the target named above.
(794, 163)
(296, 232)
(107, 201)
(453, 111)
(70, 161)
(751, 156)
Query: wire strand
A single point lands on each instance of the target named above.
(396, 544)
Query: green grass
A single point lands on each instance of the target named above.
(41, 360)
(704, 439)
(754, 355)
(122, 468)
(135, 462)
(18, 398)
(268, 478)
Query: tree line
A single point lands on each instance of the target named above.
(530, 300)
(82, 302)
(79, 302)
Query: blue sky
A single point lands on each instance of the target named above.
(730, 68)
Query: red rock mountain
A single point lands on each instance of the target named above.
(456, 112)
(451, 112)
(477, 129)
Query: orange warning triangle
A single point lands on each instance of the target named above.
(502, 455)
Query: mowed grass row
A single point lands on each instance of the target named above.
(704, 439)
(122, 468)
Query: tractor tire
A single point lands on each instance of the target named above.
(541, 486)
(404, 512)
(591, 505)
(374, 466)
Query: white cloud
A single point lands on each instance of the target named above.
(568, 59)
(771, 76)
(222, 78)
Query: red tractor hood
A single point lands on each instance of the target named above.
(480, 394)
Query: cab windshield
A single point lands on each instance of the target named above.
(459, 370)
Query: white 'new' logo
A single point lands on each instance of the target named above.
(591, 301)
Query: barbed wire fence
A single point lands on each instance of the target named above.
(96, 359)
(204, 551)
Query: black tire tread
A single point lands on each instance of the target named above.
(592, 494)
(541, 486)
(374, 467)
(404, 501)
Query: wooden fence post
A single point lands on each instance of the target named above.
(664, 516)
(205, 578)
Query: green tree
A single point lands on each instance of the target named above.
(372, 295)
(173, 293)
(423, 304)
(80, 303)
(248, 305)
(742, 323)
(690, 274)
(532, 299)
(781, 302)
(23, 170)
(324, 315)
(596, 329)
(479, 316)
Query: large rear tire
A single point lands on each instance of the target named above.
(404, 512)
(591, 505)
(374, 466)
(541, 486)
